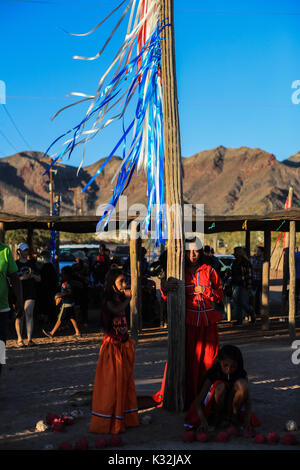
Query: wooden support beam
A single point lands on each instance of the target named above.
(135, 303)
(292, 284)
(174, 397)
(285, 279)
(30, 240)
(265, 281)
(2, 232)
(248, 242)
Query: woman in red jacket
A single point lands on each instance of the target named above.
(203, 290)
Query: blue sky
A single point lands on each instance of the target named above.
(236, 62)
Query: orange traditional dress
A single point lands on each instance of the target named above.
(114, 405)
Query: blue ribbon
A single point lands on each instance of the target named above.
(148, 98)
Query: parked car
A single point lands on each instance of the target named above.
(66, 258)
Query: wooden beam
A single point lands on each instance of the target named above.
(248, 242)
(292, 283)
(265, 281)
(30, 240)
(2, 232)
(174, 397)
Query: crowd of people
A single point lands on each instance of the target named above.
(51, 298)
(216, 382)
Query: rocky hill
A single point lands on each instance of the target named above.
(227, 180)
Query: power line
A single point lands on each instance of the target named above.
(237, 12)
(15, 126)
(60, 3)
(39, 97)
(7, 140)
(189, 10)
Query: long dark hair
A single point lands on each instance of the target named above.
(110, 284)
(109, 294)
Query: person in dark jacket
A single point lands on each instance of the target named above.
(47, 288)
(241, 274)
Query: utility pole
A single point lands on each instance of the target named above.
(174, 398)
(75, 194)
(51, 188)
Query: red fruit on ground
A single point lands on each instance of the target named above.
(189, 436)
(67, 419)
(100, 442)
(50, 418)
(202, 437)
(115, 440)
(289, 440)
(259, 439)
(82, 444)
(58, 425)
(232, 431)
(273, 438)
(65, 446)
(222, 436)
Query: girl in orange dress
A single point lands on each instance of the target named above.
(114, 405)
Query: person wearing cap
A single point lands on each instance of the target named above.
(8, 277)
(202, 289)
(28, 275)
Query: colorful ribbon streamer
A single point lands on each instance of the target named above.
(141, 141)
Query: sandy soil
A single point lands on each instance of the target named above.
(57, 376)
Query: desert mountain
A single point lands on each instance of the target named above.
(227, 180)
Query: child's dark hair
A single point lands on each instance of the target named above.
(67, 270)
(233, 353)
(109, 283)
(109, 295)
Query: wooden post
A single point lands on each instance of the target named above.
(292, 287)
(2, 232)
(30, 240)
(248, 242)
(174, 398)
(135, 280)
(265, 281)
(75, 193)
(284, 297)
(285, 279)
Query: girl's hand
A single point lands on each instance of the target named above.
(199, 289)
(127, 293)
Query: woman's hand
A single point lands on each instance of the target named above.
(199, 289)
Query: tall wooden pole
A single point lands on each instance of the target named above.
(135, 302)
(292, 287)
(174, 397)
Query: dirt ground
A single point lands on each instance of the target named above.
(57, 376)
